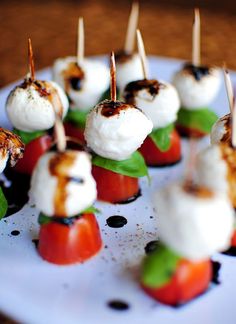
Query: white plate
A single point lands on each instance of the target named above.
(34, 291)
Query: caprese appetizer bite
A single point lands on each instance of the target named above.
(197, 86)
(84, 81)
(128, 65)
(11, 150)
(160, 102)
(69, 232)
(32, 107)
(114, 131)
(194, 223)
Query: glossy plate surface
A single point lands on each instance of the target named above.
(34, 291)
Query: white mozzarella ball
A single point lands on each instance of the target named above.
(31, 110)
(161, 106)
(94, 78)
(195, 227)
(196, 94)
(128, 70)
(116, 131)
(212, 169)
(79, 186)
(221, 129)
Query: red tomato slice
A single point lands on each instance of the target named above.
(63, 244)
(114, 187)
(154, 157)
(233, 240)
(73, 131)
(189, 280)
(190, 132)
(33, 151)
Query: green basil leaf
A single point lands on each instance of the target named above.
(159, 267)
(43, 219)
(28, 137)
(77, 117)
(3, 204)
(133, 167)
(161, 137)
(201, 119)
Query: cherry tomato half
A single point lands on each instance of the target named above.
(190, 132)
(67, 244)
(189, 280)
(33, 151)
(75, 132)
(154, 157)
(114, 187)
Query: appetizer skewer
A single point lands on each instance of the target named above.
(128, 65)
(197, 86)
(114, 131)
(194, 223)
(69, 232)
(31, 108)
(11, 151)
(84, 81)
(160, 102)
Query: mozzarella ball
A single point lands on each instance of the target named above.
(32, 105)
(62, 184)
(194, 224)
(84, 84)
(221, 130)
(158, 100)
(197, 86)
(128, 69)
(116, 130)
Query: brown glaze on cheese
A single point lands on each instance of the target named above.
(73, 77)
(198, 72)
(123, 57)
(111, 108)
(197, 191)
(46, 90)
(227, 126)
(59, 167)
(132, 89)
(229, 155)
(12, 145)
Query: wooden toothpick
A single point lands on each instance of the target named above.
(196, 39)
(31, 60)
(233, 126)
(112, 77)
(80, 41)
(131, 30)
(59, 133)
(142, 54)
(229, 88)
(189, 174)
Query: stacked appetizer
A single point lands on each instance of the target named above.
(11, 150)
(114, 131)
(216, 164)
(160, 102)
(84, 81)
(194, 223)
(128, 64)
(69, 232)
(31, 107)
(197, 86)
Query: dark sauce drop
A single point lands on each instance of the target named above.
(17, 193)
(112, 108)
(123, 56)
(15, 233)
(215, 272)
(197, 71)
(116, 221)
(131, 199)
(151, 246)
(231, 251)
(36, 242)
(119, 305)
(76, 83)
